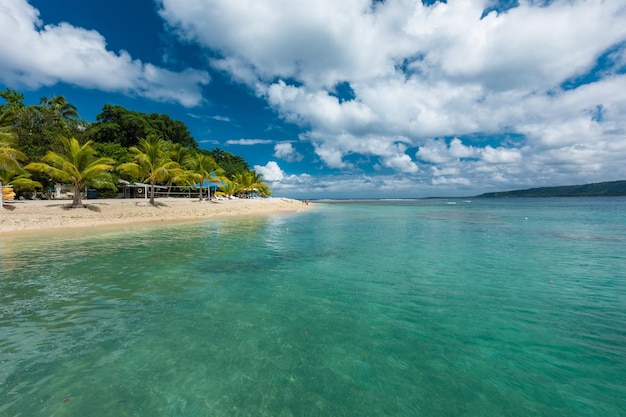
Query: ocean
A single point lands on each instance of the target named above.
(489, 307)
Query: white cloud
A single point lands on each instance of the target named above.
(500, 52)
(281, 183)
(436, 151)
(401, 163)
(439, 152)
(271, 171)
(286, 151)
(248, 142)
(33, 55)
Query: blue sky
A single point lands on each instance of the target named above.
(351, 98)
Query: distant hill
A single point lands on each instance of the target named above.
(600, 189)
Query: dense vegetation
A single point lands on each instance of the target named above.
(600, 189)
(47, 143)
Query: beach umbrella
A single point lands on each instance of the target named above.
(209, 185)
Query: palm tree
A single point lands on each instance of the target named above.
(9, 156)
(178, 153)
(151, 164)
(249, 181)
(264, 190)
(259, 184)
(242, 180)
(61, 112)
(77, 166)
(229, 187)
(11, 172)
(202, 167)
(20, 180)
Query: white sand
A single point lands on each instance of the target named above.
(54, 214)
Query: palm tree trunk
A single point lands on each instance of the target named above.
(152, 187)
(77, 201)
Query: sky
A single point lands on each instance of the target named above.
(350, 98)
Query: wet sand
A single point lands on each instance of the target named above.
(21, 216)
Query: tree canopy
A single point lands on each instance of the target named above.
(231, 164)
(115, 124)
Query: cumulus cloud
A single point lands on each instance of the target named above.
(35, 55)
(271, 171)
(295, 185)
(286, 151)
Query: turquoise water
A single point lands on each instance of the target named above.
(398, 308)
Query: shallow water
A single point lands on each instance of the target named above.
(415, 308)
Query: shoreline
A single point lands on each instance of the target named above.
(28, 216)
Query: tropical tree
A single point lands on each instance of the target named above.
(231, 164)
(229, 187)
(20, 180)
(152, 164)
(9, 156)
(59, 112)
(8, 118)
(9, 110)
(203, 167)
(11, 172)
(113, 150)
(126, 127)
(77, 165)
(249, 181)
(179, 153)
(38, 127)
(264, 190)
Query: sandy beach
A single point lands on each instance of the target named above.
(39, 215)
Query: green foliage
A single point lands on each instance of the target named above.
(203, 167)
(114, 151)
(39, 127)
(11, 171)
(171, 130)
(77, 165)
(249, 182)
(9, 156)
(151, 163)
(126, 127)
(21, 182)
(231, 164)
(59, 114)
(228, 188)
(13, 98)
(179, 154)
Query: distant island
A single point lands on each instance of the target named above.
(600, 189)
